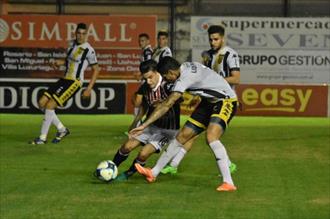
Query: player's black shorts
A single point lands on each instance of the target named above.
(220, 112)
(63, 90)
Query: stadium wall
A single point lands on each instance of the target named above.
(183, 52)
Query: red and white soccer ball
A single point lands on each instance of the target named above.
(106, 171)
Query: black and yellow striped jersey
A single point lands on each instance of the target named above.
(223, 61)
(77, 60)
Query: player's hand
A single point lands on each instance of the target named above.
(86, 94)
(54, 63)
(137, 131)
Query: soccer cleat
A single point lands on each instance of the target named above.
(37, 141)
(145, 172)
(60, 135)
(169, 169)
(121, 177)
(226, 187)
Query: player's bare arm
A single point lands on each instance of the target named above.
(55, 63)
(137, 118)
(137, 100)
(92, 81)
(160, 110)
(234, 79)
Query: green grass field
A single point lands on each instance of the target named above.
(283, 172)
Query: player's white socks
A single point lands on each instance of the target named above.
(58, 124)
(222, 160)
(178, 157)
(166, 156)
(48, 118)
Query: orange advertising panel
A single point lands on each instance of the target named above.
(28, 43)
(283, 100)
(55, 31)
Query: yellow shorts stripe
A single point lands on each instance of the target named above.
(196, 123)
(47, 94)
(68, 93)
(226, 110)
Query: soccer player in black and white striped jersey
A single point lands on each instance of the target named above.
(221, 58)
(79, 55)
(154, 91)
(162, 50)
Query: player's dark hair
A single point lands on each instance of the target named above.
(144, 35)
(81, 26)
(216, 29)
(149, 65)
(167, 63)
(162, 33)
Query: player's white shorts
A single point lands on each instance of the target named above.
(157, 137)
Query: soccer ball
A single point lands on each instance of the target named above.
(106, 171)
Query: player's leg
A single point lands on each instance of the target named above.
(62, 131)
(195, 124)
(61, 96)
(172, 168)
(146, 151)
(131, 144)
(56, 122)
(219, 120)
(47, 105)
(43, 102)
(123, 152)
(184, 135)
(213, 134)
(193, 127)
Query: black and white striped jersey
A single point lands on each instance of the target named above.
(160, 53)
(77, 60)
(146, 53)
(152, 97)
(223, 61)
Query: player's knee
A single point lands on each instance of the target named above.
(184, 136)
(212, 136)
(125, 150)
(42, 103)
(143, 156)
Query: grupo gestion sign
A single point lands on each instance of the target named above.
(272, 50)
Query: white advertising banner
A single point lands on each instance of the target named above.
(272, 50)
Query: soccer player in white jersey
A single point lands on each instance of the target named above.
(223, 60)
(213, 114)
(162, 49)
(79, 55)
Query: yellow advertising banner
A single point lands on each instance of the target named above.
(283, 100)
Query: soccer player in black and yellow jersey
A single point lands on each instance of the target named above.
(79, 55)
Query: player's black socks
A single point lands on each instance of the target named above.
(132, 168)
(119, 158)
